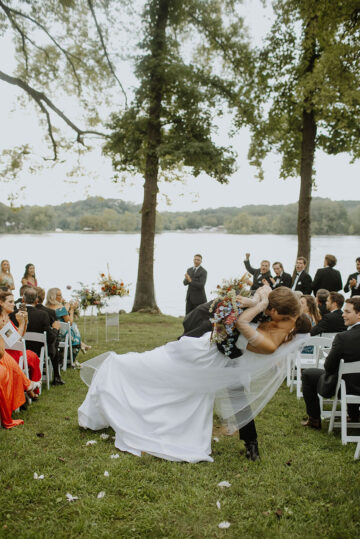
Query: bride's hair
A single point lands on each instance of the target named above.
(302, 324)
(284, 301)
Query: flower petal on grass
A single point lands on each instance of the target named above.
(101, 494)
(218, 504)
(216, 439)
(116, 456)
(91, 442)
(224, 525)
(104, 436)
(36, 476)
(70, 497)
(106, 473)
(224, 484)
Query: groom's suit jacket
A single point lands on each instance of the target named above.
(258, 276)
(196, 289)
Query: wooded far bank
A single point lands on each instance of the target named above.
(112, 215)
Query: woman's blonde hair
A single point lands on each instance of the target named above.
(1, 265)
(51, 296)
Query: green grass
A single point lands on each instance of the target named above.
(306, 485)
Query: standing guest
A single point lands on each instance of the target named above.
(281, 278)
(302, 280)
(353, 281)
(6, 279)
(332, 322)
(309, 307)
(346, 346)
(19, 321)
(29, 278)
(321, 298)
(195, 279)
(261, 275)
(328, 277)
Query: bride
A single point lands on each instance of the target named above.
(161, 401)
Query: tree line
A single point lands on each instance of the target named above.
(110, 215)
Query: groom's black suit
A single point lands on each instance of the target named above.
(195, 294)
(196, 323)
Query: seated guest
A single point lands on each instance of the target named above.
(13, 384)
(39, 320)
(281, 278)
(353, 281)
(261, 275)
(20, 299)
(309, 307)
(328, 277)
(346, 346)
(19, 321)
(29, 279)
(302, 280)
(65, 313)
(321, 298)
(6, 279)
(332, 322)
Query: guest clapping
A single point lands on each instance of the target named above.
(29, 278)
(6, 279)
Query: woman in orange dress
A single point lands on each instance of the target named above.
(13, 384)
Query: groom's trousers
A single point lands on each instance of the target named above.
(248, 433)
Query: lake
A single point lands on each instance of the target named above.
(63, 259)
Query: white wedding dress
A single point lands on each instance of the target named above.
(161, 402)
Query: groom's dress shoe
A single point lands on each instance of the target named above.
(252, 450)
(314, 423)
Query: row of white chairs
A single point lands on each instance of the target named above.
(316, 358)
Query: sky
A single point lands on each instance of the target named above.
(335, 177)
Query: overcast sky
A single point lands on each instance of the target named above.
(336, 178)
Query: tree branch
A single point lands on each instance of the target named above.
(41, 99)
(91, 7)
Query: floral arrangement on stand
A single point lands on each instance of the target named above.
(89, 297)
(112, 287)
(226, 308)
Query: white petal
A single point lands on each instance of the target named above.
(101, 494)
(223, 484)
(116, 456)
(41, 476)
(104, 436)
(218, 504)
(70, 497)
(91, 442)
(216, 439)
(106, 473)
(36, 475)
(224, 524)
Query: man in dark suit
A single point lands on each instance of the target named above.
(261, 275)
(38, 322)
(195, 279)
(332, 322)
(281, 277)
(346, 346)
(353, 281)
(328, 277)
(302, 280)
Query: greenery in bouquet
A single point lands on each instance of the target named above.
(88, 296)
(226, 308)
(112, 287)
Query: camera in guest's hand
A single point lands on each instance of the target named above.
(22, 307)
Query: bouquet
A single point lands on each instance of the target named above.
(111, 287)
(226, 308)
(89, 297)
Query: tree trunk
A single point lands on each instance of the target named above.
(145, 291)
(306, 169)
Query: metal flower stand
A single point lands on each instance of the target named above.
(112, 329)
(90, 330)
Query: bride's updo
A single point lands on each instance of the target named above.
(284, 301)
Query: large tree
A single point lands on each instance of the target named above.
(308, 92)
(170, 123)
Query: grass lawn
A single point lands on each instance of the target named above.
(306, 485)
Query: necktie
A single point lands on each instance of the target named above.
(295, 282)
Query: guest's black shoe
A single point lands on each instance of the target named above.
(58, 381)
(312, 422)
(252, 450)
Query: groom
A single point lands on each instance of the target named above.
(196, 324)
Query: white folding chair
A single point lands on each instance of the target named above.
(315, 358)
(357, 451)
(328, 335)
(20, 346)
(345, 399)
(44, 356)
(65, 344)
